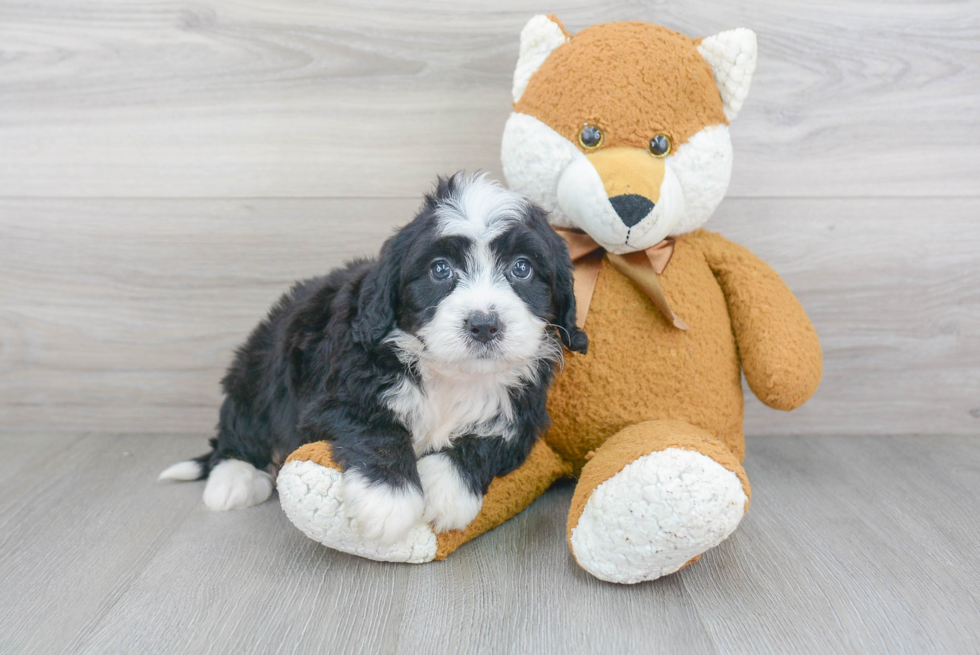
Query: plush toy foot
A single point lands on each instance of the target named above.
(653, 499)
(311, 490)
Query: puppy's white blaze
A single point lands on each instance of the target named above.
(481, 209)
(449, 502)
(382, 513)
(182, 471)
(466, 385)
(482, 288)
(234, 484)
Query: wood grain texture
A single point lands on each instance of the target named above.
(852, 545)
(123, 314)
(353, 98)
(76, 525)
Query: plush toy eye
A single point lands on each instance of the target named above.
(521, 269)
(590, 137)
(659, 145)
(441, 270)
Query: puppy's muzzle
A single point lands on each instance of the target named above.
(483, 327)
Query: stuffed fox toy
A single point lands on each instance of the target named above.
(622, 132)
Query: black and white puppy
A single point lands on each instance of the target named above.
(426, 369)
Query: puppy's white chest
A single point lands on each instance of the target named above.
(445, 408)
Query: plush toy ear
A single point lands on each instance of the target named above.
(732, 56)
(539, 38)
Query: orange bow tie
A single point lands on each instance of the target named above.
(642, 267)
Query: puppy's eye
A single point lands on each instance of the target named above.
(441, 270)
(590, 137)
(521, 269)
(659, 145)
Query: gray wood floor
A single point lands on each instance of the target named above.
(861, 544)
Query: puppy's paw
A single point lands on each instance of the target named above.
(234, 484)
(381, 512)
(450, 504)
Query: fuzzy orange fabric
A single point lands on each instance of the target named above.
(641, 368)
(508, 496)
(642, 439)
(318, 452)
(646, 386)
(778, 347)
(653, 81)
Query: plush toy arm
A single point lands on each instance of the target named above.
(777, 345)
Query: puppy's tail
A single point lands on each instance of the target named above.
(192, 469)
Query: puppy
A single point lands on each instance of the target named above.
(426, 369)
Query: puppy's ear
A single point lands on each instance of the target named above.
(562, 288)
(564, 295)
(379, 296)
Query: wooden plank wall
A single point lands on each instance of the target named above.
(167, 168)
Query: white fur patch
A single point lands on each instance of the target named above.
(234, 484)
(655, 515)
(703, 167)
(582, 198)
(381, 512)
(539, 38)
(312, 497)
(732, 55)
(182, 471)
(480, 210)
(449, 502)
(445, 407)
(533, 157)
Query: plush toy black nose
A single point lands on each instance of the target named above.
(631, 208)
(483, 327)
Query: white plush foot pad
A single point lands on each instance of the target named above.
(312, 497)
(655, 515)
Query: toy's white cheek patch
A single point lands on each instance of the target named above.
(703, 167)
(533, 157)
(583, 200)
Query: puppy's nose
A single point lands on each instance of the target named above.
(482, 326)
(631, 208)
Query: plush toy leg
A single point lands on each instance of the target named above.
(311, 492)
(652, 499)
(508, 496)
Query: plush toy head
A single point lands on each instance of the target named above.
(622, 129)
